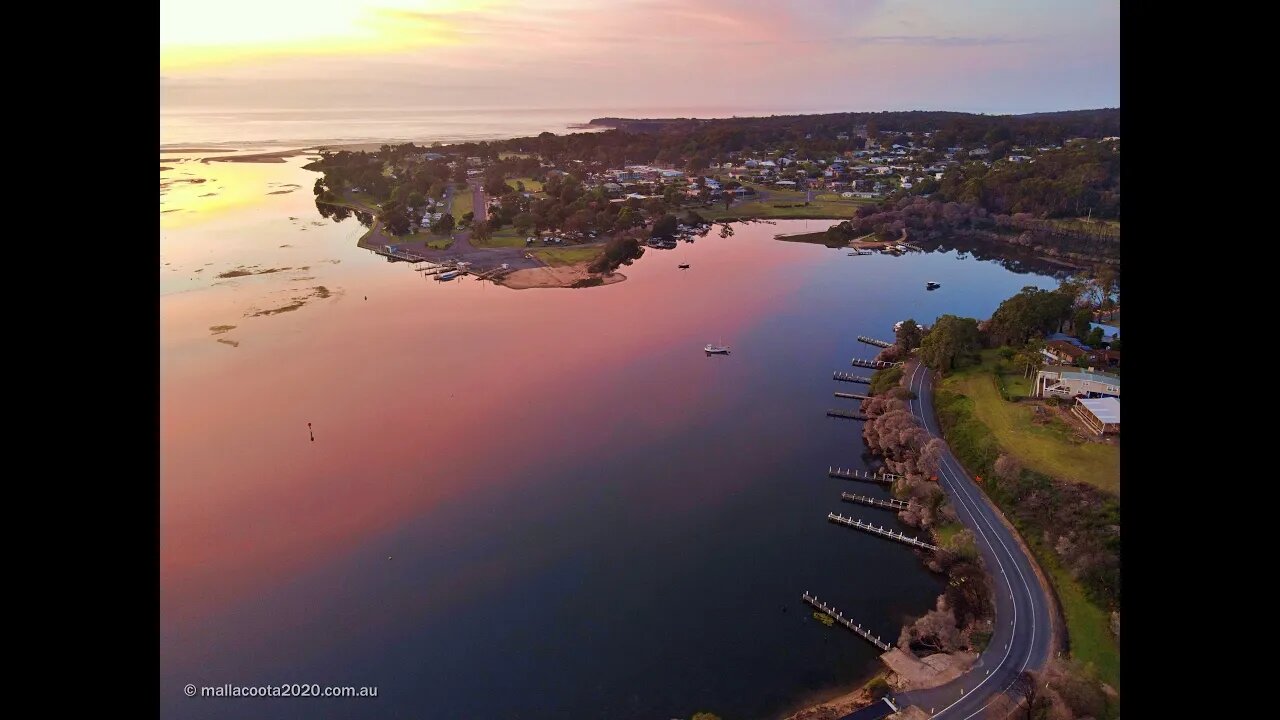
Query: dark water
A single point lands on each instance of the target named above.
(585, 516)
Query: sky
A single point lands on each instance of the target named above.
(994, 56)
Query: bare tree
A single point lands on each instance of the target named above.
(1008, 467)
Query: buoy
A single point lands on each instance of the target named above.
(388, 557)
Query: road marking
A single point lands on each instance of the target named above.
(962, 495)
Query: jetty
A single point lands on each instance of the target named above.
(852, 396)
(849, 377)
(840, 618)
(847, 414)
(875, 364)
(890, 504)
(847, 474)
(874, 530)
(873, 341)
(393, 254)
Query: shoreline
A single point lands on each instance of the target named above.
(851, 697)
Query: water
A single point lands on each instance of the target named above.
(302, 127)
(521, 504)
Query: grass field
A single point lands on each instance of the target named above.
(530, 185)
(1088, 626)
(506, 237)
(1049, 448)
(559, 257)
(428, 239)
(461, 203)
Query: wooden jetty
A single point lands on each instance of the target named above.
(873, 341)
(847, 474)
(852, 396)
(868, 527)
(876, 364)
(890, 504)
(392, 253)
(840, 618)
(849, 377)
(847, 414)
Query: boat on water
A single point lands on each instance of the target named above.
(716, 349)
(448, 275)
(684, 266)
(931, 285)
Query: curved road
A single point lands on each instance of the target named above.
(1023, 631)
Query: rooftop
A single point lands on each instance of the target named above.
(1094, 376)
(1105, 409)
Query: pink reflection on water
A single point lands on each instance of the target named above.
(418, 396)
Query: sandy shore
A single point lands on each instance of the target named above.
(554, 277)
(836, 707)
(269, 157)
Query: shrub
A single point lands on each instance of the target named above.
(878, 688)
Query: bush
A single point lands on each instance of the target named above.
(878, 688)
(883, 380)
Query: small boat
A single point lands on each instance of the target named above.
(717, 349)
(684, 266)
(448, 275)
(931, 285)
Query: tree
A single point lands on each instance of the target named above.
(1080, 322)
(444, 225)
(728, 198)
(1024, 689)
(460, 172)
(396, 219)
(1008, 467)
(468, 216)
(416, 199)
(1032, 311)
(1094, 338)
(950, 340)
(523, 223)
(319, 186)
(666, 226)
(482, 231)
(909, 334)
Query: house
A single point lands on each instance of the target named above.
(979, 152)
(1101, 415)
(785, 183)
(612, 187)
(1064, 352)
(1068, 382)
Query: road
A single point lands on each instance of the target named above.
(1023, 633)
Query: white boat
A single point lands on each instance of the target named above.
(717, 349)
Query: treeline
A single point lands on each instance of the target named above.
(695, 143)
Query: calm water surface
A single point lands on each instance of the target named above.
(519, 504)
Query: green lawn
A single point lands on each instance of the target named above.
(506, 237)
(427, 239)
(461, 203)
(1088, 626)
(1049, 448)
(530, 185)
(557, 257)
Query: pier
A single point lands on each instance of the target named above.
(891, 534)
(875, 364)
(873, 341)
(852, 396)
(886, 478)
(890, 504)
(850, 377)
(840, 618)
(847, 414)
(391, 252)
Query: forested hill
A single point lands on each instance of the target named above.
(953, 127)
